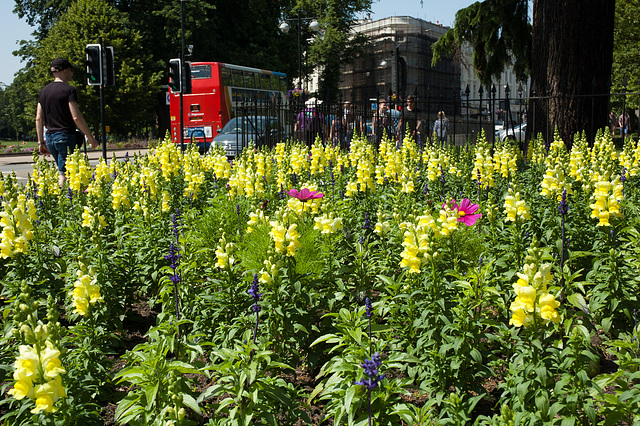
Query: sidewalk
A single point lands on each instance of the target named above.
(8, 160)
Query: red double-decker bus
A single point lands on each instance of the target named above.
(217, 92)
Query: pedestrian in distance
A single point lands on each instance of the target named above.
(58, 110)
(440, 127)
(344, 128)
(410, 124)
(613, 122)
(310, 123)
(623, 122)
(382, 123)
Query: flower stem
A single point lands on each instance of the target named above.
(369, 398)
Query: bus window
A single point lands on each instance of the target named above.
(275, 82)
(238, 79)
(200, 71)
(283, 84)
(225, 77)
(249, 80)
(266, 81)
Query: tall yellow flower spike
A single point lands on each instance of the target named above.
(533, 303)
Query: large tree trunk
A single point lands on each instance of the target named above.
(572, 53)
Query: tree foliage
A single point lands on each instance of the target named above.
(340, 44)
(137, 81)
(13, 123)
(498, 31)
(42, 14)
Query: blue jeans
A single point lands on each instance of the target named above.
(59, 144)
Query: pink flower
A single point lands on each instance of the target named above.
(305, 194)
(465, 211)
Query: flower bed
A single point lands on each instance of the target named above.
(407, 286)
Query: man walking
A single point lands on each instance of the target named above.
(58, 110)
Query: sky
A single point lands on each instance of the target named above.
(443, 12)
(13, 29)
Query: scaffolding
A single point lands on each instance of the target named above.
(398, 62)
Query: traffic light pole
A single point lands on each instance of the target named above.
(102, 125)
(103, 133)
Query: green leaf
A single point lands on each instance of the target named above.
(150, 393)
(184, 368)
(476, 355)
(211, 391)
(577, 300)
(190, 402)
(225, 402)
(521, 390)
(541, 372)
(590, 411)
(348, 397)
(319, 388)
(127, 409)
(542, 403)
(129, 374)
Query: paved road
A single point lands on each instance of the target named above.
(22, 165)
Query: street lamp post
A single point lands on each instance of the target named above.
(398, 71)
(314, 26)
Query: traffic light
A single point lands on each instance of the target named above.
(175, 75)
(187, 77)
(94, 64)
(109, 75)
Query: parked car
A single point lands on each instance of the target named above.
(239, 132)
(499, 126)
(514, 134)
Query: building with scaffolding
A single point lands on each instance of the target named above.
(397, 63)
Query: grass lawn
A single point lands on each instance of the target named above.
(9, 146)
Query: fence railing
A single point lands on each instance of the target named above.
(453, 121)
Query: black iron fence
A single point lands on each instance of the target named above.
(452, 121)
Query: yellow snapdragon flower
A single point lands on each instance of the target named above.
(256, 218)
(285, 239)
(417, 242)
(78, 171)
(86, 291)
(327, 224)
(91, 218)
(120, 194)
(606, 201)
(16, 221)
(533, 301)
(224, 260)
(37, 377)
(515, 208)
(448, 221)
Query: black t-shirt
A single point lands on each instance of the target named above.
(412, 118)
(54, 99)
